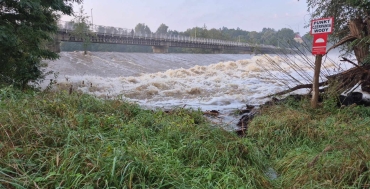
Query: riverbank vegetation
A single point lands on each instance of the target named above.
(50, 140)
(326, 147)
(26, 27)
(73, 140)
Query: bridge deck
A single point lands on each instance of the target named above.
(103, 34)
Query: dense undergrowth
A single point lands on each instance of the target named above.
(57, 140)
(327, 147)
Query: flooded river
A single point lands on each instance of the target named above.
(223, 82)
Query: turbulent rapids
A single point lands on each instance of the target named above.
(222, 82)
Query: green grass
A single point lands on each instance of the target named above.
(323, 148)
(56, 140)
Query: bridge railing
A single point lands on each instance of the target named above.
(68, 26)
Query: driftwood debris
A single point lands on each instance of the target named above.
(343, 81)
(304, 86)
(247, 114)
(349, 78)
(211, 113)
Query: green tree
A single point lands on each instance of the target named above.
(352, 24)
(141, 28)
(268, 36)
(24, 27)
(307, 39)
(112, 30)
(254, 37)
(81, 29)
(173, 32)
(214, 34)
(162, 29)
(286, 36)
(101, 29)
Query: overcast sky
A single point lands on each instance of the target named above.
(250, 15)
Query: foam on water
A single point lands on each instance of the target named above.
(168, 80)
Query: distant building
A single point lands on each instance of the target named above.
(298, 38)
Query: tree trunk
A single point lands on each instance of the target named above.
(368, 25)
(361, 49)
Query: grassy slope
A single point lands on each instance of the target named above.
(52, 140)
(323, 148)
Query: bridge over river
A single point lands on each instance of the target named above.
(159, 42)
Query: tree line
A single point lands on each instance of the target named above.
(268, 36)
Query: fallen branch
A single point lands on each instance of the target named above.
(346, 39)
(304, 86)
(347, 60)
(212, 113)
(346, 79)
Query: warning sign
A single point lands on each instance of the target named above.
(319, 44)
(323, 25)
(320, 28)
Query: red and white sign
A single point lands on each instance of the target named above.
(322, 25)
(320, 28)
(319, 43)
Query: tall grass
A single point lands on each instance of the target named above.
(315, 148)
(57, 140)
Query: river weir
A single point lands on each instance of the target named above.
(221, 82)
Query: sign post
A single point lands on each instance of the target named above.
(320, 28)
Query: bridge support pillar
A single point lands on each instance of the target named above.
(54, 46)
(245, 52)
(160, 49)
(57, 47)
(216, 51)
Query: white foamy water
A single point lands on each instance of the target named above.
(223, 82)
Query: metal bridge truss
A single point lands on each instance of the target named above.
(114, 35)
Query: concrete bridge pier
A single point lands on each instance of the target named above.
(54, 46)
(160, 49)
(217, 51)
(246, 52)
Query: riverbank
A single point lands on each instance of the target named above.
(53, 140)
(66, 140)
(315, 148)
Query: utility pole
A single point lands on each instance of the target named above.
(92, 21)
(195, 32)
(315, 83)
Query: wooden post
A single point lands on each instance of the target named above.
(315, 83)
